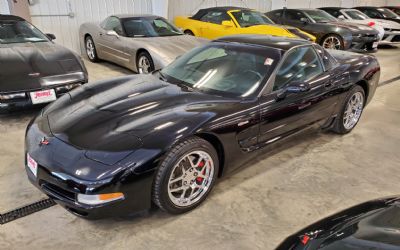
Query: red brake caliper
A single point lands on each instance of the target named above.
(200, 179)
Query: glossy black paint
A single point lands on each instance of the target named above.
(370, 225)
(27, 67)
(110, 136)
(353, 37)
(373, 12)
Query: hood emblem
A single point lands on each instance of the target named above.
(34, 74)
(44, 141)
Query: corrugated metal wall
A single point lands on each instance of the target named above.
(63, 17)
(185, 7)
(4, 7)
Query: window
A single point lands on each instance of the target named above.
(146, 27)
(328, 60)
(294, 15)
(215, 17)
(20, 32)
(248, 18)
(113, 23)
(301, 64)
(333, 12)
(372, 13)
(320, 16)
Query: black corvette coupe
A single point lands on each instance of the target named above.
(330, 32)
(117, 146)
(33, 69)
(371, 225)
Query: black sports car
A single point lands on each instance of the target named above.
(379, 13)
(33, 69)
(330, 33)
(116, 146)
(370, 225)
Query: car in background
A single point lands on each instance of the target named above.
(395, 9)
(140, 43)
(379, 13)
(118, 146)
(33, 69)
(217, 22)
(389, 31)
(371, 225)
(329, 31)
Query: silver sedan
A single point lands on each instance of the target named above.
(141, 43)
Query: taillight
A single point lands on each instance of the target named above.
(304, 239)
(371, 24)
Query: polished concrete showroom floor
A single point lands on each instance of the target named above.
(313, 176)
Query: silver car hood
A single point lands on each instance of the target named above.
(387, 24)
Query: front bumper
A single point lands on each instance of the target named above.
(391, 36)
(26, 102)
(365, 43)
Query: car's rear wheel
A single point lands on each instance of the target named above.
(145, 64)
(351, 111)
(332, 42)
(91, 49)
(186, 176)
(189, 32)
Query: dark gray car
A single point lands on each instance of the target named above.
(330, 33)
(33, 69)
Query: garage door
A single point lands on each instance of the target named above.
(63, 17)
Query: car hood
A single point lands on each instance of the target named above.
(168, 48)
(265, 29)
(118, 114)
(28, 66)
(355, 28)
(387, 24)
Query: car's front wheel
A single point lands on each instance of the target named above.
(91, 49)
(145, 64)
(351, 111)
(186, 176)
(332, 42)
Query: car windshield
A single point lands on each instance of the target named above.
(388, 13)
(356, 15)
(247, 18)
(20, 32)
(143, 27)
(320, 16)
(223, 69)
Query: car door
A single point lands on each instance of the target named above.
(298, 19)
(284, 112)
(212, 27)
(112, 42)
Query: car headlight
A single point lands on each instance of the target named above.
(98, 199)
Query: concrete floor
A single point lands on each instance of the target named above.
(313, 176)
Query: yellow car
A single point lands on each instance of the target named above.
(216, 22)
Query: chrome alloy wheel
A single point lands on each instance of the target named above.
(190, 178)
(144, 65)
(353, 111)
(332, 42)
(90, 51)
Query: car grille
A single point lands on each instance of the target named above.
(56, 191)
(396, 38)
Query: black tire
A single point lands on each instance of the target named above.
(189, 32)
(333, 36)
(146, 55)
(92, 57)
(338, 126)
(160, 195)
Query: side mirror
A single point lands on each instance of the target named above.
(112, 33)
(51, 36)
(304, 20)
(294, 87)
(227, 23)
(341, 17)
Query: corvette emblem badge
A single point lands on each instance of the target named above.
(44, 141)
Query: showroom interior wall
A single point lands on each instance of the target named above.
(63, 17)
(4, 9)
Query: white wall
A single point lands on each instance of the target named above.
(52, 16)
(4, 7)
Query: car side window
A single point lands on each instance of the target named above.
(328, 60)
(113, 23)
(371, 13)
(300, 65)
(215, 17)
(294, 15)
(334, 13)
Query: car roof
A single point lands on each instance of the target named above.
(367, 7)
(281, 43)
(10, 18)
(331, 8)
(122, 16)
(225, 8)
